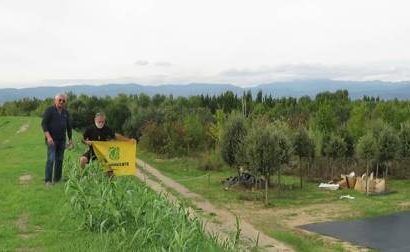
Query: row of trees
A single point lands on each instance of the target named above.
(263, 147)
(329, 126)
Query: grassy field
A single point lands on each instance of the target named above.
(30, 213)
(283, 208)
(34, 217)
(38, 218)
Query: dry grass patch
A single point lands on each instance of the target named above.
(22, 227)
(22, 224)
(25, 179)
(23, 128)
(291, 217)
(405, 205)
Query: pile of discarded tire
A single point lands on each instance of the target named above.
(244, 179)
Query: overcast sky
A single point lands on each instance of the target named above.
(242, 42)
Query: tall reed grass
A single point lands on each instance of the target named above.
(131, 217)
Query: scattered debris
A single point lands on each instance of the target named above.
(370, 184)
(245, 179)
(348, 181)
(329, 186)
(346, 197)
(365, 183)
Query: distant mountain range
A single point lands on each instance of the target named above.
(297, 88)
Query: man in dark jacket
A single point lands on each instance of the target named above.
(56, 124)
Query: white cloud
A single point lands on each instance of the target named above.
(163, 64)
(141, 62)
(319, 71)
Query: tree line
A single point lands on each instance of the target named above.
(319, 136)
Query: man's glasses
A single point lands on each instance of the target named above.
(61, 100)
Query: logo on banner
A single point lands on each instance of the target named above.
(114, 153)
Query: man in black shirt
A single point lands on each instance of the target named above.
(98, 132)
(56, 124)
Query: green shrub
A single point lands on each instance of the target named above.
(211, 161)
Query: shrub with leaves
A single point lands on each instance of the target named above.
(404, 137)
(388, 143)
(367, 147)
(267, 148)
(304, 148)
(303, 145)
(233, 139)
(211, 161)
(334, 147)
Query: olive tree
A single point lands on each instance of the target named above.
(233, 139)
(304, 148)
(367, 149)
(404, 137)
(388, 146)
(267, 149)
(334, 148)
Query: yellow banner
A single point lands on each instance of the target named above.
(118, 156)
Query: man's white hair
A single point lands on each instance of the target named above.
(60, 95)
(99, 114)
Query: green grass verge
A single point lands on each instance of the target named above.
(31, 215)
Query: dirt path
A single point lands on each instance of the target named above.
(224, 222)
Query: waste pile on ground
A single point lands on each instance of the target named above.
(364, 183)
(244, 179)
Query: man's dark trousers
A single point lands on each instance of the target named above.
(55, 157)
